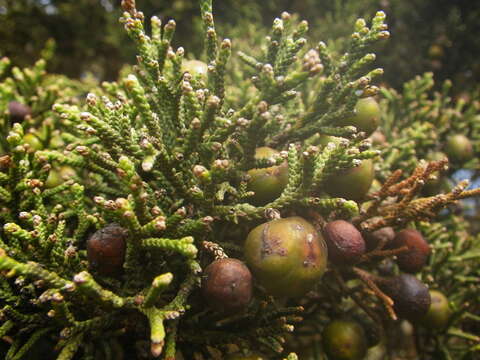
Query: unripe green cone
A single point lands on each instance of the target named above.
(436, 51)
(53, 179)
(367, 116)
(58, 176)
(56, 142)
(459, 148)
(344, 340)
(323, 140)
(439, 312)
(351, 184)
(265, 152)
(287, 256)
(267, 183)
(195, 67)
(439, 184)
(33, 142)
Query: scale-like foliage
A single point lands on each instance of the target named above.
(164, 156)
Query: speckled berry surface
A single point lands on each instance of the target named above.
(227, 285)
(287, 256)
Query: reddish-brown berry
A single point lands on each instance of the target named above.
(227, 285)
(18, 111)
(106, 249)
(345, 243)
(416, 257)
(383, 236)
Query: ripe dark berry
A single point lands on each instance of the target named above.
(106, 249)
(439, 312)
(287, 256)
(227, 285)
(416, 257)
(18, 111)
(344, 241)
(351, 184)
(386, 267)
(344, 340)
(411, 297)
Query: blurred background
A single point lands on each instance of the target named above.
(427, 35)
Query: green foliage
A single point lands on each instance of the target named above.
(444, 32)
(421, 121)
(165, 154)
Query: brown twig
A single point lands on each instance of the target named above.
(367, 279)
(355, 297)
(383, 253)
